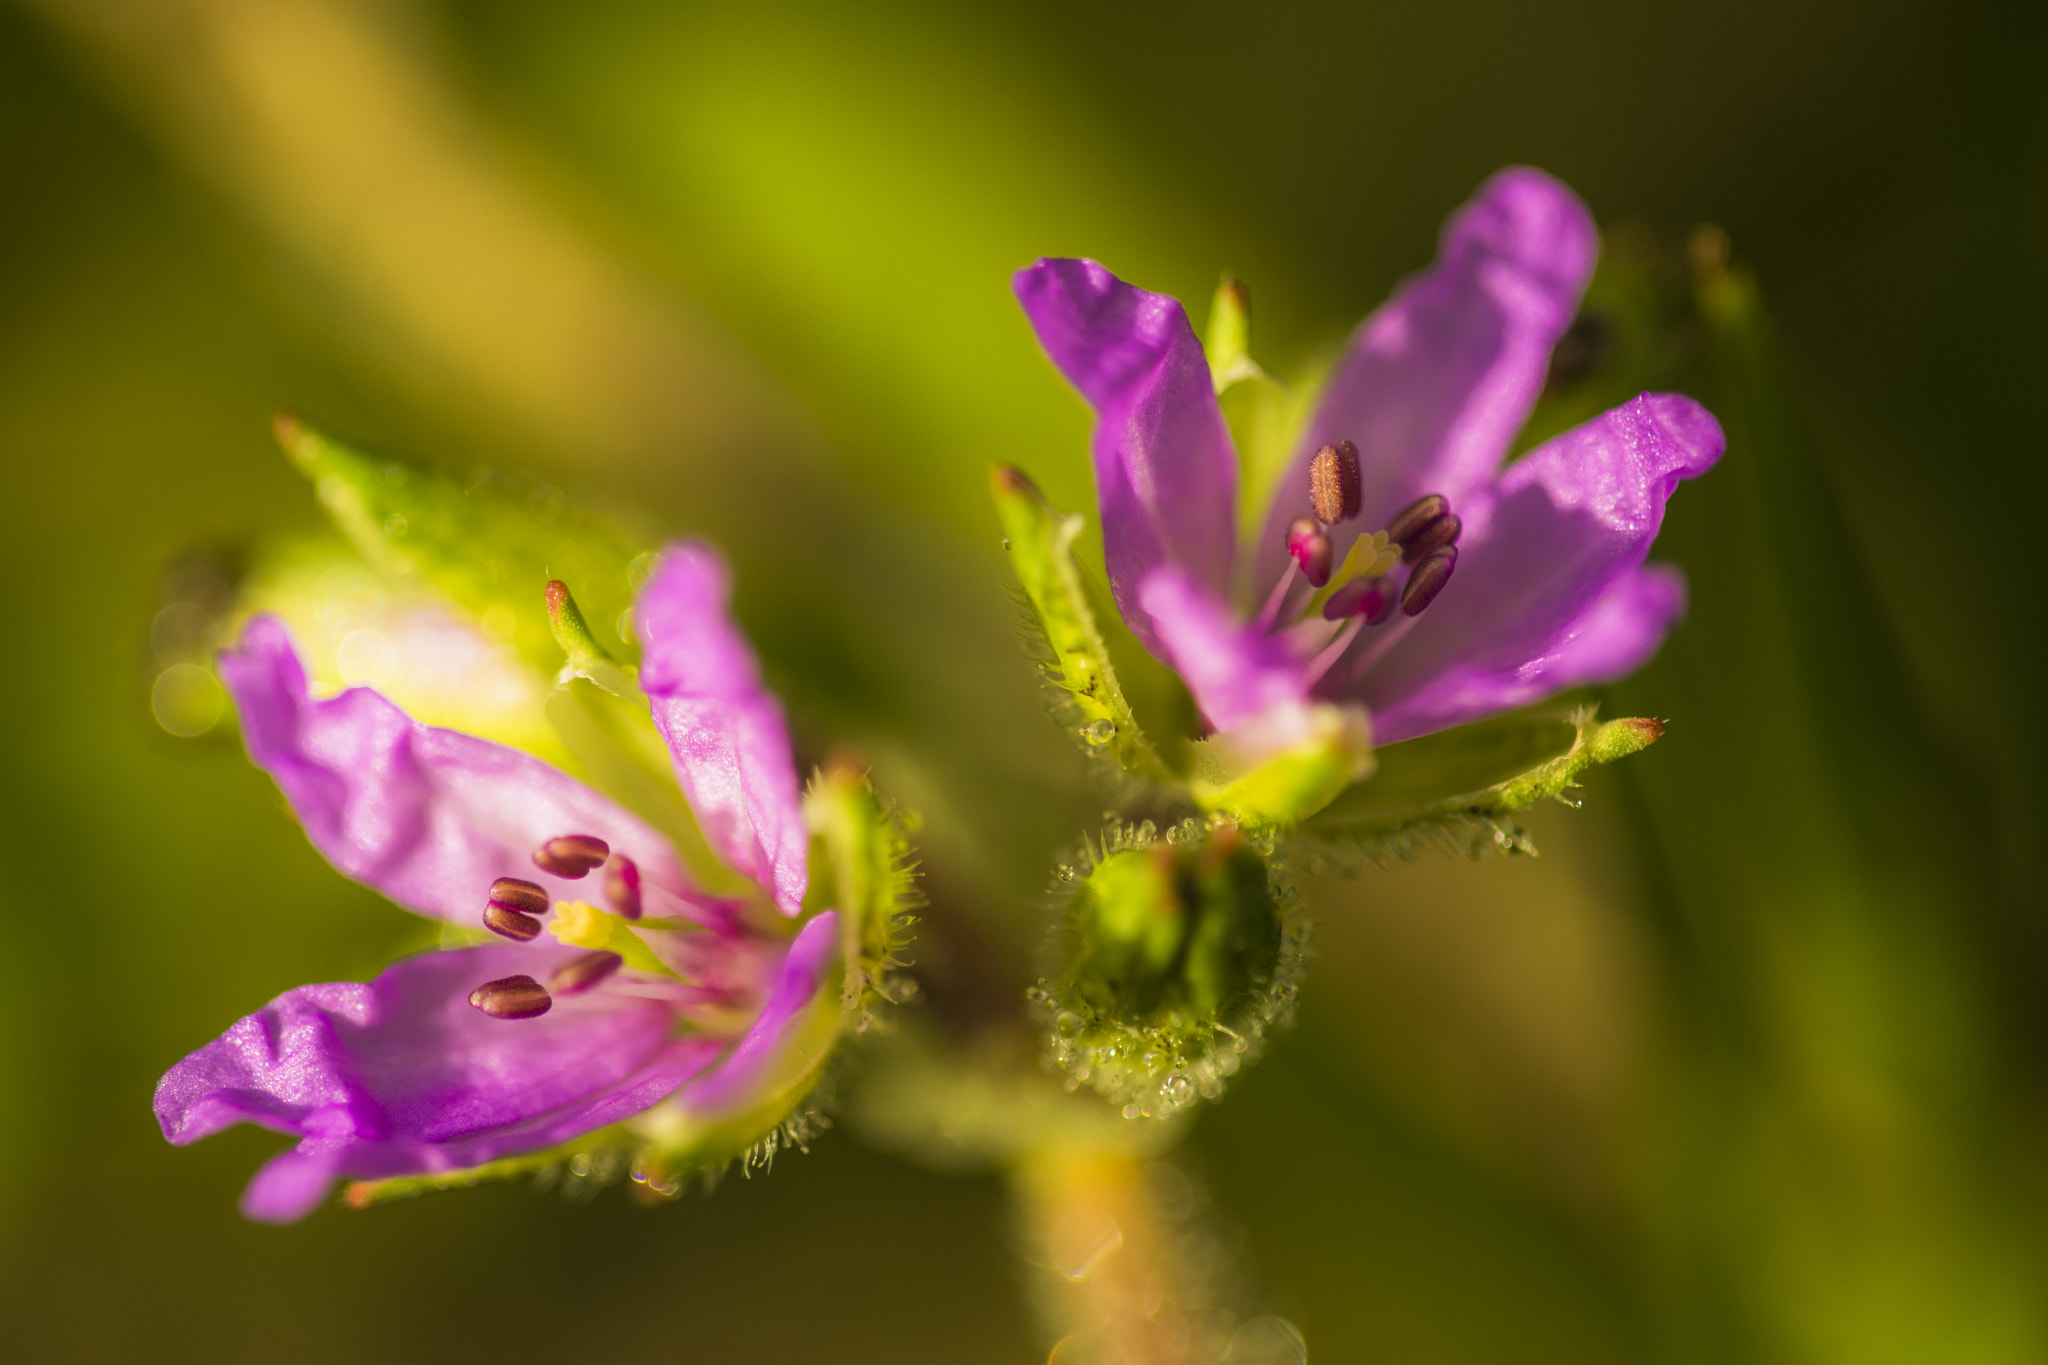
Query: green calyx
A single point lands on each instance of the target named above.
(1177, 955)
(1078, 672)
(1270, 780)
(487, 546)
(1461, 787)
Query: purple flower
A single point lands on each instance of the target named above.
(1399, 566)
(688, 1009)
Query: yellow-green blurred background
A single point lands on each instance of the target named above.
(1748, 1066)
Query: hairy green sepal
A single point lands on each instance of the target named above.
(1462, 786)
(1288, 784)
(1041, 540)
(488, 547)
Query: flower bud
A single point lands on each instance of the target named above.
(1177, 955)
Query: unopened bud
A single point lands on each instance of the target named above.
(622, 886)
(1310, 549)
(1428, 579)
(1333, 482)
(1417, 515)
(571, 855)
(512, 997)
(584, 973)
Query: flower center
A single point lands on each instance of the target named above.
(513, 907)
(1362, 591)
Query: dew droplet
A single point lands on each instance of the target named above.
(1099, 731)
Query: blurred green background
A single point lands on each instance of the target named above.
(1748, 1066)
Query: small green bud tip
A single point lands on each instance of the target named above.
(572, 632)
(1228, 343)
(1620, 738)
(293, 436)
(1010, 481)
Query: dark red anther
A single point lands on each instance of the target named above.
(510, 923)
(512, 997)
(622, 885)
(1417, 515)
(1366, 597)
(1445, 530)
(571, 855)
(528, 898)
(1428, 579)
(578, 976)
(1311, 549)
(1333, 482)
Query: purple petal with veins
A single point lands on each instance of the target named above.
(725, 732)
(1551, 590)
(429, 817)
(1234, 671)
(765, 1052)
(1437, 382)
(403, 1077)
(1165, 469)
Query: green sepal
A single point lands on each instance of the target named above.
(1040, 540)
(488, 548)
(1288, 785)
(1461, 786)
(861, 866)
(605, 1154)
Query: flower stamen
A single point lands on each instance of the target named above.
(512, 997)
(584, 973)
(1334, 487)
(622, 886)
(1310, 548)
(523, 896)
(511, 924)
(571, 855)
(1428, 579)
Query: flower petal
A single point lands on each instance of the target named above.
(1165, 470)
(725, 732)
(1437, 382)
(402, 1076)
(1235, 672)
(428, 817)
(764, 1056)
(1550, 589)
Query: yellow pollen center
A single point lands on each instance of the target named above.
(581, 925)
